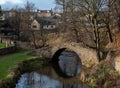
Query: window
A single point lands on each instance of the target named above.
(52, 26)
(34, 26)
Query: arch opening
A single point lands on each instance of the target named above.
(66, 62)
(57, 54)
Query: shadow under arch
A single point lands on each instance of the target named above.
(55, 62)
(57, 54)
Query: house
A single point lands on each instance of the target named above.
(35, 25)
(7, 14)
(44, 13)
(2, 17)
(44, 23)
(12, 13)
(49, 23)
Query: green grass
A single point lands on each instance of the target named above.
(10, 61)
(2, 45)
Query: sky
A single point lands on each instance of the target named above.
(39, 4)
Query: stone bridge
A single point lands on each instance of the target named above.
(87, 55)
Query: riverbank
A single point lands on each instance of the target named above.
(22, 67)
(2, 45)
(13, 65)
(7, 62)
(102, 75)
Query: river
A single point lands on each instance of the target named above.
(64, 74)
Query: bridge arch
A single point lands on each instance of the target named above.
(59, 51)
(66, 54)
(87, 56)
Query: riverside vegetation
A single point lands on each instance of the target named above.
(10, 61)
(2, 45)
(13, 65)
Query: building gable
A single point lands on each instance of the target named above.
(35, 25)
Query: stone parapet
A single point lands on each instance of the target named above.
(87, 55)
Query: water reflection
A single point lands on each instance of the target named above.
(36, 80)
(69, 63)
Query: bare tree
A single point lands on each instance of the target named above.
(62, 5)
(69, 17)
(27, 17)
(99, 19)
(116, 12)
(88, 15)
(16, 21)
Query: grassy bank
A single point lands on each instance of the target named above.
(2, 45)
(10, 61)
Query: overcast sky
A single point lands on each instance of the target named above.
(40, 4)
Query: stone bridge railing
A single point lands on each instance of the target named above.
(87, 55)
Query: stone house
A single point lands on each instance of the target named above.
(49, 26)
(12, 13)
(46, 23)
(2, 18)
(44, 13)
(35, 25)
(7, 14)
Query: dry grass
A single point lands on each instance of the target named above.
(115, 44)
(54, 41)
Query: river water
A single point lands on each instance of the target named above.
(65, 74)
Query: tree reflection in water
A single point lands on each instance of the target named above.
(48, 77)
(36, 80)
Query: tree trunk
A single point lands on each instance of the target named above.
(97, 38)
(98, 45)
(109, 34)
(34, 40)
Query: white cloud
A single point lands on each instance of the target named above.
(11, 1)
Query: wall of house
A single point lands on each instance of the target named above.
(2, 18)
(49, 26)
(35, 25)
(44, 14)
